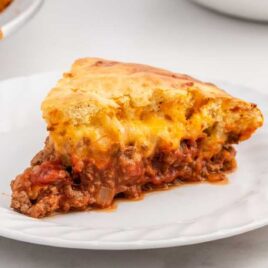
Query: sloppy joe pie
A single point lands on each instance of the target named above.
(121, 129)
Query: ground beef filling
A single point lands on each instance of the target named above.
(49, 186)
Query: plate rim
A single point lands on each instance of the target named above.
(152, 244)
(12, 20)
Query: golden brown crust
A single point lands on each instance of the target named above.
(108, 103)
(111, 79)
(170, 79)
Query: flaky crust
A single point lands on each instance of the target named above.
(105, 80)
(125, 102)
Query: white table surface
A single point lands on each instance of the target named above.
(173, 34)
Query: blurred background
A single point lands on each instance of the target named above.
(174, 34)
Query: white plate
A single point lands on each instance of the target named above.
(183, 215)
(17, 14)
(247, 9)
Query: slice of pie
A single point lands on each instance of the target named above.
(119, 129)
